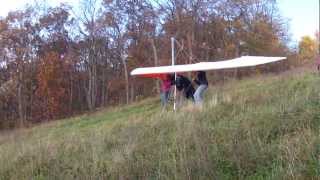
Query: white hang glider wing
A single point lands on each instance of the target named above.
(244, 61)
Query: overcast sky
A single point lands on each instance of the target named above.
(303, 14)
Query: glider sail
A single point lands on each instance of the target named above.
(244, 61)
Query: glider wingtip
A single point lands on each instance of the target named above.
(134, 72)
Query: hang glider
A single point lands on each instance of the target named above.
(244, 61)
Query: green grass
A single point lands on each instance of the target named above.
(257, 128)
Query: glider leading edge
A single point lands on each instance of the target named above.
(244, 61)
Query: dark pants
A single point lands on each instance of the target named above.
(188, 92)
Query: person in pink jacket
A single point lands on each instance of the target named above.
(166, 82)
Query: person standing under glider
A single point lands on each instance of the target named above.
(185, 85)
(202, 82)
(166, 82)
(318, 63)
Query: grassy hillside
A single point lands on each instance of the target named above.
(258, 128)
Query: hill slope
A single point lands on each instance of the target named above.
(258, 128)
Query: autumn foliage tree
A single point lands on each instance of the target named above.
(52, 91)
(307, 48)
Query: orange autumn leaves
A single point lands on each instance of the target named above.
(52, 91)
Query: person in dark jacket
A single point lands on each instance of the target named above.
(185, 85)
(202, 82)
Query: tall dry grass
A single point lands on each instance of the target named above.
(260, 128)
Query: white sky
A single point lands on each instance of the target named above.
(303, 14)
(303, 17)
(12, 5)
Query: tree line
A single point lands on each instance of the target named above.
(65, 60)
